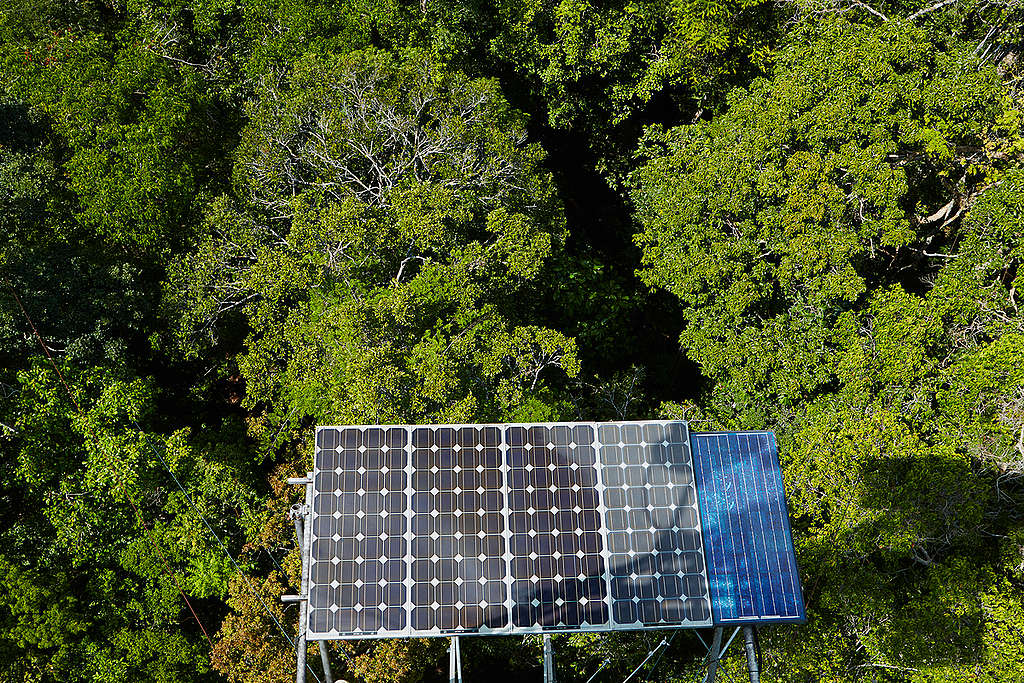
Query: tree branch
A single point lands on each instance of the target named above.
(930, 8)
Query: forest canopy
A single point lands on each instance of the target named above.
(228, 222)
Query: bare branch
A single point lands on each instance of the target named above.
(931, 8)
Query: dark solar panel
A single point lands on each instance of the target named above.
(358, 575)
(432, 530)
(653, 525)
(556, 548)
(458, 529)
(751, 566)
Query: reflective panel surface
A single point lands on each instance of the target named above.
(751, 565)
(429, 530)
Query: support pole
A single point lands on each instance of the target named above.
(714, 655)
(750, 644)
(298, 529)
(549, 661)
(454, 661)
(328, 676)
(458, 661)
(300, 640)
(298, 514)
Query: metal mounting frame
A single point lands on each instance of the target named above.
(299, 513)
(716, 649)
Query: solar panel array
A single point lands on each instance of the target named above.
(447, 529)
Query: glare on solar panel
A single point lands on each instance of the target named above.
(751, 563)
(422, 530)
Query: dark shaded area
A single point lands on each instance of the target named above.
(594, 295)
(617, 320)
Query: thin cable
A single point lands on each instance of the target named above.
(214, 534)
(310, 668)
(717, 656)
(661, 654)
(174, 576)
(721, 664)
(167, 566)
(649, 655)
(42, 344)
(735, 631)
(724, 670)
(187, 497)
(284, 575)
(139, 513)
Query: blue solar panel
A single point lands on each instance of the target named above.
(748, 546)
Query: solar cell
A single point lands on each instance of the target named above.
(446, 529)
(751, 565)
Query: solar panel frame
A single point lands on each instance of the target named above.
(508, 556)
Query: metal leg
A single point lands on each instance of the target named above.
(454, 661)
(458, 660)
(549, 661)
(300, 641)
(715, 654)
(328, 677)
(300, 653)
(750, 644)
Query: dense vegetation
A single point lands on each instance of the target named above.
(229, 221)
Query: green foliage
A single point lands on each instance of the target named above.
(596, 62)
(770, 221)
(87, 554)
(228, 221)
(133, 125)
(359, 154)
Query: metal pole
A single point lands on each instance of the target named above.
(298, 514)
(716, 653)
(454, 661)
(549, 661)
(749, 636)
(328, 677)
(300, 641)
